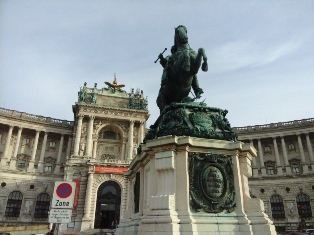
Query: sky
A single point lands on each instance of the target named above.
(260, 53)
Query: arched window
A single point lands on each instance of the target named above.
(14, 203)
(111, 135)
(304, 206)
(42, 206)
(277, 208)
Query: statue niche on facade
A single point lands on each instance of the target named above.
(180, 69)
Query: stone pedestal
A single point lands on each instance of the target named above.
(192, 185)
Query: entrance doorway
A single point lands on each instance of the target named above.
(108, 205)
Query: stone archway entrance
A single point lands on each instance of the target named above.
(108, 205)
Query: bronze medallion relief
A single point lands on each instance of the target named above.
(211, 183)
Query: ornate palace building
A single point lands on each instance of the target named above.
(283, 172)
(97, 147)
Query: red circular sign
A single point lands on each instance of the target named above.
(64, 190)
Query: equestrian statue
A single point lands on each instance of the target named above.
(180, 69)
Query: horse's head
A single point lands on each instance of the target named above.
(181, 35)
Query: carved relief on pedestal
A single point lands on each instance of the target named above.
(211, 183)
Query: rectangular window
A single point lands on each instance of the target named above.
(270, 170)
(48, 168)
(52, 144)
(295, 169)
(26, 141)
(21, 164)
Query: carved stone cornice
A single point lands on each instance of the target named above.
(109, 111)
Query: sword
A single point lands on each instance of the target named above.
(161, 54)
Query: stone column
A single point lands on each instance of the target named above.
(309, 147)
(89, 140)
(6, 154)
(95, 149)
(278, 163)
(130, 141)
(261, 156)
(123, 150)
(141, 133)
(78, 135)
(285, 156)
(34, 150)
(69, 147)
(86, 220)
(16, 149)
(141, 199)
(303, 162)
(254, 166)
(42, 154)
(58, 164)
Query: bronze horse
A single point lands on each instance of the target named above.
(180, 69)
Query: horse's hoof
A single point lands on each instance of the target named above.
(205, 67)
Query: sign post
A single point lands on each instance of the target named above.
(62, 202)
(63, 195)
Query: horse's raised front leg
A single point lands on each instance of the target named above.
(198, 60)
(204, 65)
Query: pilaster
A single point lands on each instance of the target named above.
(86, 220)
(261, 157)
(89, 140)
(58, 164)
(303, 161)
(130, 140)
(34, 150)
(285, 156)
(278, 163)
(42, 154)
(78, 135)
(6, 156)
(16, 149)
(310, 150)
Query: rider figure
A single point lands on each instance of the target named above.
(166, 62)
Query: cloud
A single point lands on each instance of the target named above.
(242, 54)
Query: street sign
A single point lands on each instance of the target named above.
(61, 216)
(63, 195)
